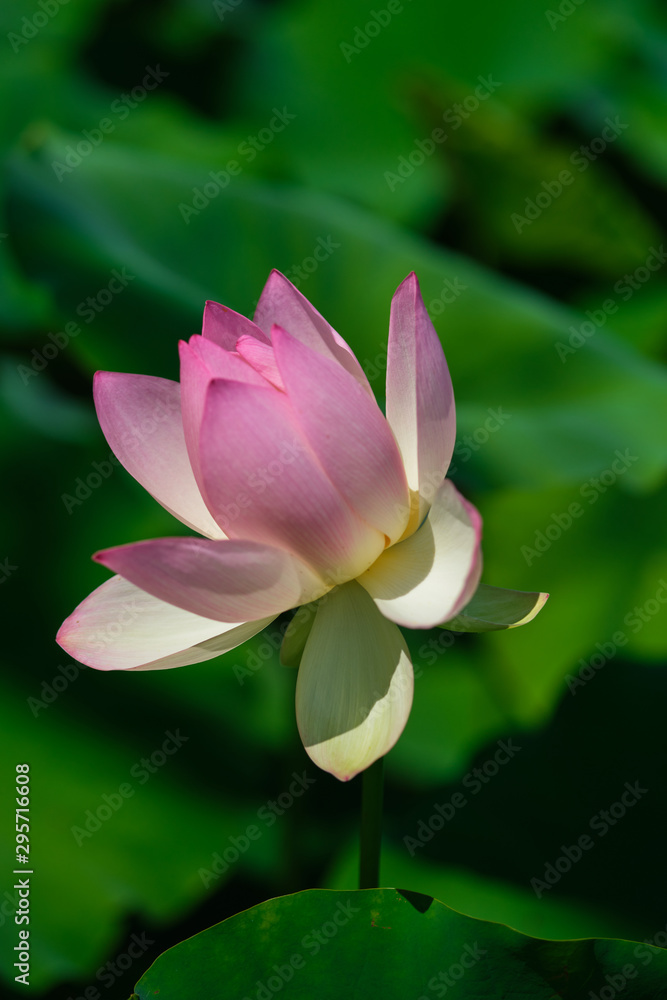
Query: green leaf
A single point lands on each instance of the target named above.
(487, 897)
(614, 583)
(327, 63)
(531, 416)
(120, 834)
(494, 608)
(394, 944)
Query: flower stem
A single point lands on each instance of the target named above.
(371, 825)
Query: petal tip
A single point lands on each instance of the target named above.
(409, 284)
(100, 380)
(542, 599)
(62, 633)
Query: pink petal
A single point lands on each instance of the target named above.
(228, 581)
(431, 575)
(283, 304)
(262, 359)
(420, 398)
(201, 361)
(347, 432)
(223, 326)
(141, 419)
(264, 482)
(120, 627)
(221, 363)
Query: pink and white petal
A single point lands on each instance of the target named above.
(228, 581)
(140, 417)
(420, 398)
(120, 627)
(283, 304)
(354, 686)
(427, 578)
(262, 359)
(201, 361)
(223, 326)
(348, 433)
(273, 489)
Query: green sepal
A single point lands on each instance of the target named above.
(296, 635)
(494, 608)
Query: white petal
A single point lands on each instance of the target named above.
(355, 684)
(427, 578)
(120, 627)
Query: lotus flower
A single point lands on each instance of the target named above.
(274, 449)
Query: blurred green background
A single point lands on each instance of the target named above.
(516, 158)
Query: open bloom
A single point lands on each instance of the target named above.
(274, 449)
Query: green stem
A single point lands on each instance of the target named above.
(371, 825)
